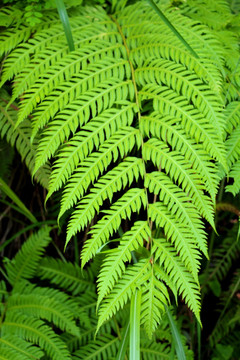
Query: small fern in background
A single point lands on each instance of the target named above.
(136, 133)
(55, 317)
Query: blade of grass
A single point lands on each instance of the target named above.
(170, 25)
(176, 336)
(124, 343)
(135, 326)
(65, 22)
(22, 208)
(199, 340)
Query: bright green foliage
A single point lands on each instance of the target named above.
(20, 138)
(135, 128)
(103, 348)
(233, 145)
(28, 310)
(25, 263)
(114, 265)
(40, 321)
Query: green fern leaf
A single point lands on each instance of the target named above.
(93, 101)
(26, 262)
(154, 297)
(36, 332)
(123, 290)
(154, 46)
(114, 265)
(178, 78)
(69, 90)
(179, 236)
(165, 254)
(119, 144)
(130, 78)
(19, 348)
(21, 56)
(104, 347)
(165, 128)
(7, 354)
(20, 138)
(45, 308)
(72, 63)
(180, 171)
(150, 350)
(131, 201)
(235, 174)
(26, 288)
(10, 39)
(68, 276)
(168, 102)
(161, 275)
(233, 146)
(113, 181)
(83, 142)
(178, 203)
(224, 256)
(232, 113)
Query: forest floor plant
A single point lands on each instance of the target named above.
(136, 141)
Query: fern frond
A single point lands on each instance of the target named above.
(235, 174)
(223, 327)
(92, 102)
(65, 64)
(178, 203)
(215, 15)
(49, 35)
(9, 15)
(180, 171)
(3, 291)
(165, 256)
(150, 350)
(81, 110)
(20, 56)
(169, 103)
(88, 333)
(119, 177)
(26, 288)
(184, 82)
(123, 290)
(178, 235)
(81, 144)
(154, 297)
(66, 91)
(166, 129)
(10, 39)
(233, 146)
(7, 354)
(36, 332)
(104, 347)
(147, 46)
(26, 262)
(43, 307)
(19, 348)
(130, 202)
(119, 144)
(224, 256)
(20, 138)
(67, 276)
(232, 114)
(161, 275)
(114, 264)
